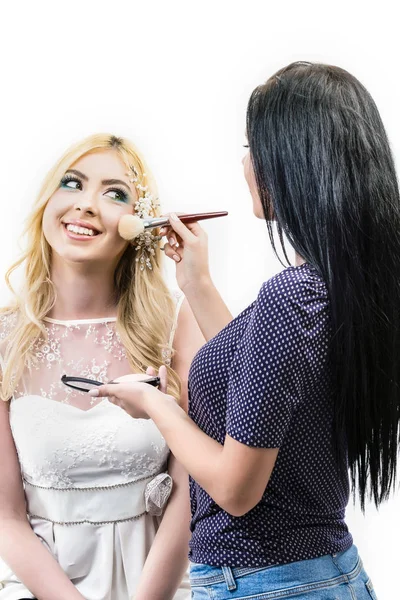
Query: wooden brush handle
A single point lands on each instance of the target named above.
(201, 216)
(164, 221)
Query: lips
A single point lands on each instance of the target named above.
(82, 228)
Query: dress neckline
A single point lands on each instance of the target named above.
(80, 321)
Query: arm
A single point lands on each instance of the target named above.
(20, 548)
(167, 559)
(201, 297)
(193, 276)
(267, 382)
(234, 475)
(259, 410)
(168, 556)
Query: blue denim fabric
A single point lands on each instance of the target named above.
(333, 577)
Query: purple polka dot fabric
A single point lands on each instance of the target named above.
(265, 380)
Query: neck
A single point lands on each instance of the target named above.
(298, 260)
(82, 293)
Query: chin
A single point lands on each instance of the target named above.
(77, 256)
(259, 213)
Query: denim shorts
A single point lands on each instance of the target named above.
(333, 577)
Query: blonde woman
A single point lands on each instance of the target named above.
(82, 485)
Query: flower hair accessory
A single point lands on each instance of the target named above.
(145, 207)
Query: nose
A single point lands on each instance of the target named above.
(85, 205)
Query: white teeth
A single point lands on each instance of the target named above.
(80, 230)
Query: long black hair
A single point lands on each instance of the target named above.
(324, 169)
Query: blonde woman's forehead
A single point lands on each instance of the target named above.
(102, 164)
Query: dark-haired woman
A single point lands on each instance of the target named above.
(304, 385)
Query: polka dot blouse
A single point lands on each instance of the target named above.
(265, 380)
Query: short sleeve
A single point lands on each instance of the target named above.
(271, 365)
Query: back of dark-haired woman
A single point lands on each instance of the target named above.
(303, 386)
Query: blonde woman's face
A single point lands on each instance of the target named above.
(80, 221)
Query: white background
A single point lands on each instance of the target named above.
(175, 77)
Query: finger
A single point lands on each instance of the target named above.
(175, 254)
(196, 229)
(163, 375)
(184, 231)
(170, 250)
(151, 371)
(172, 241)
(103, 391)
(166, 229)
(173, 238)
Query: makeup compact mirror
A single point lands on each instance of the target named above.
(85, 385)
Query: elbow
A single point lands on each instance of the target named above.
(238, 509)
(238, 504)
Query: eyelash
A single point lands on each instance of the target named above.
(123, 194)
(246, 146)
(68, 178)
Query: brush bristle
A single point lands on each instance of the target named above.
(130, 226)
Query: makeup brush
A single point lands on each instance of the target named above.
(130, 226)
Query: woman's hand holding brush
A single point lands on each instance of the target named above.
(188, 247)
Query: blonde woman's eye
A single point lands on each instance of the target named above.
(117, 194)
(71, 183)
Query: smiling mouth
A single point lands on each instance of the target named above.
(81, 230)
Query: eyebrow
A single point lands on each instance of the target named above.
(76, 172)
(104, 182)
(116, 181)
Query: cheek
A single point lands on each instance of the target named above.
(246, 169)
(249, 175)
(251, 182)
(111, 214)
(258, 209)
(49, 219)
(56, 207)
(115, 245)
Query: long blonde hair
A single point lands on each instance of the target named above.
(145, 307)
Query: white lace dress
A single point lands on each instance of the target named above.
(94, 477)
